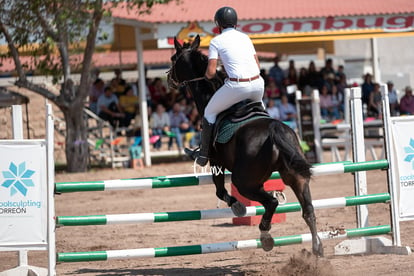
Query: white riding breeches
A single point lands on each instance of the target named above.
(231, 93)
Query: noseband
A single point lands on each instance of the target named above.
(172, 76)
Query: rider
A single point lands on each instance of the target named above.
(241, 64)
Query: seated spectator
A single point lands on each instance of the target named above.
(337, 102)
(393, 98)
(159, 123)
(158, 91)
(272, 91)
(367, 86)
(339, 74)
(109, 108)
(120, 82)
(273, 110)
(96, 91)
(129, 104)
(375, 102)
(287, 112)
(178, 124)
(407, 102)
(328, 110)
(195, 124)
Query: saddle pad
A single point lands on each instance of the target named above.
(228, 128)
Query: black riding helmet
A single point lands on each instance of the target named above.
(226, 17)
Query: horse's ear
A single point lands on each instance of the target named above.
(196, 43)
(177, 44)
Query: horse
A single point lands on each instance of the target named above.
(257, 148)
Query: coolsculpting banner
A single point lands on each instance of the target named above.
(23, 194)
(403, 136)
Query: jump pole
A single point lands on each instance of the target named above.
(205, 178)
(216, 247)
(214, 213)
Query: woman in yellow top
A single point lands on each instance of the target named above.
(129, 103)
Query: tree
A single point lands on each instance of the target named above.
(49, 31)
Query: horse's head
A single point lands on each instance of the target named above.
(187, 70)
(188, 63)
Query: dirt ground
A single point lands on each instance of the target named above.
(286, 260)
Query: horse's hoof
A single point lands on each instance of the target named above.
(318, 252)
(267, 241)
(238, 209)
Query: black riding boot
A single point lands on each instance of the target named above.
(201, 155)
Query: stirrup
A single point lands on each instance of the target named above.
(193, 154)
(202, 160)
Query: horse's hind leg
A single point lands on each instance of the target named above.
(237, 207)
(269, 203)
(300, 186)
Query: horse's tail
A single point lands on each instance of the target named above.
(290, 152)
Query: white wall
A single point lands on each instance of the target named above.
(396, 58)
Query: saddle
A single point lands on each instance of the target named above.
(230, 120)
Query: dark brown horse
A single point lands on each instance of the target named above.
(258, 148)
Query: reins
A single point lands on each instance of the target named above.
(174, 79)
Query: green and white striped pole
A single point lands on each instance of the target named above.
(202, 179)
(214, 213)
(215, 247)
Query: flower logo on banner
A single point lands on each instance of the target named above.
(409, 157)
(17, 179)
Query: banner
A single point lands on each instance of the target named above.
(23, 194)
(403, 143)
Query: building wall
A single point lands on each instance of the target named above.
(396, 58)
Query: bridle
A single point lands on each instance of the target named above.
(172, 76)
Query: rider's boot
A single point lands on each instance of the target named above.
(201, 156)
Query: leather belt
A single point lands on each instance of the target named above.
(244, 80)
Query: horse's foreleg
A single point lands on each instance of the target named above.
(303, 194)
(237, 207)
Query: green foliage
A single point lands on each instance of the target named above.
(52, 30)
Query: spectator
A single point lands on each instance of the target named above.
(328, 110)
(276, 73)
(304, 82)
(129, 104)
(314, 76)
(340, 73)
(342, 84)
(367, 87)
(272, 92)
(375, 102)
(120, 82)
(393, 98)
(337, 102)
(328, 68)
(407, 102)
(195, 124)
(272, 109)
(96, 91)
(287, 112)
(160, 123)
(291, 73)
(179, 124)
(158, 91)
(109, 108)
